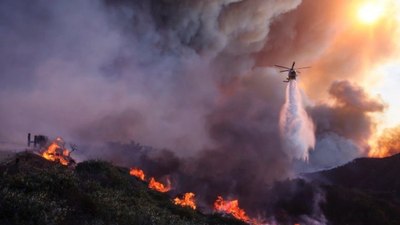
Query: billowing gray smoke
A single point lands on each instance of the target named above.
(122, 70)
(173, 74)
(343, 128)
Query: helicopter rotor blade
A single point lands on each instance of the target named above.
(284, 71)
(284, 67)
(305, 67)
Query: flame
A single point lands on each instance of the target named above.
(386, 144)
(187, 200)
(232, 208)
(57, 152)
(153, 184)
(137, 173)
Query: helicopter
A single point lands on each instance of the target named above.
(292, 72)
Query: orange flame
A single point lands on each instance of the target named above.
(232, 208)
(386, 144)
(186, 201)
(153, 184)
(137, 173)
(57, 152)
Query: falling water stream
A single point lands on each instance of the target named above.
(297, 129)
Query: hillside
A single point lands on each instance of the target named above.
(364, 191)
(36, 191)
(378, 177)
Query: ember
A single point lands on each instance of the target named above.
(57, 152)
(187, 200)
(137, 173)
(153, 184)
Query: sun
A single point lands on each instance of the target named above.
(370, 12)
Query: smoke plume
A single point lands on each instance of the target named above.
(297, 129)
(344, 126)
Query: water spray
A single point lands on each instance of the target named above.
(297, 129)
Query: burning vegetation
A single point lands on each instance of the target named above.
(231, 208)
(387, 144)
(108, 193)
(57, 152)
(137, 173)
(186, 201)
(155, 185)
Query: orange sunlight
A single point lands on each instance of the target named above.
(370, 12)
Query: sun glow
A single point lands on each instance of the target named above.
(370, 12)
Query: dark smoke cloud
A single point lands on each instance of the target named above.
(344, 127)
(303, 34)
(83, 70)
(349, 117)
(353, 97)
(126, 70)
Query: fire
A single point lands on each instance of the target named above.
(187, 200)
(137, 173)
(232, 208)
(386, 144)
(153, 184)
(57, 152)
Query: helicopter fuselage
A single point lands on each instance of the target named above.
(292, 71)
(292, 75)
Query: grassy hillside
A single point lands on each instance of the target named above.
(36, 191)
